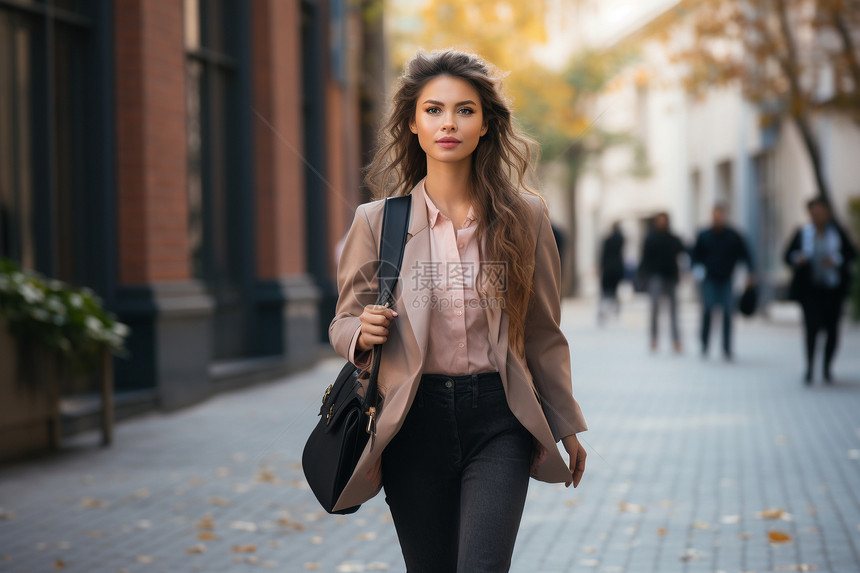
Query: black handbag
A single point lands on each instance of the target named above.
(348, 418)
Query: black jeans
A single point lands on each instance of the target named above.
(822, 310)
(456, 476)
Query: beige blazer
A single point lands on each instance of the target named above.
(538, 389)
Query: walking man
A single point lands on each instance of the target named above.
(659, 271)
(719, 249)
(820, 254)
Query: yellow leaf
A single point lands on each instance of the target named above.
(207, 536)
(312, 566)
(244, 548)
(778, 537)
(59, 564)
(661, 531)
(197, 548)
(207, 522)
(144, 559)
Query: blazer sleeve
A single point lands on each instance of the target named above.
(792, 247)
(357, 287)
(546, 348)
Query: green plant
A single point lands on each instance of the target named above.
(69, 322)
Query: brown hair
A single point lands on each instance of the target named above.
(500, 165)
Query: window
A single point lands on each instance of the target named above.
(45, 74)
(215, 194)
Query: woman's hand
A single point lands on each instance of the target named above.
(374, 326)
(577, 458)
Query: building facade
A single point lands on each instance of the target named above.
(195, 163)
(687, 154)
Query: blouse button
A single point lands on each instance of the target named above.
(459, 312)
(461, 345)
(460, 245)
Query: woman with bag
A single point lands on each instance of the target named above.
(474, 380)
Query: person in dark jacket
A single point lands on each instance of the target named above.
(719, 249)
(820, 253)
(611, 270)
(659, 271)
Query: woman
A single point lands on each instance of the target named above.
(659, 271)
(820, 253)
(475, 372)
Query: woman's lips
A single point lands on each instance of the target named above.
(448, 142)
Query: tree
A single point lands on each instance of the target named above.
(782, 53)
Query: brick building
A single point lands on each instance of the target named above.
(195, 163)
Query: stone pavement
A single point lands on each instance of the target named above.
(694, 465)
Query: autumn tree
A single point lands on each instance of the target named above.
(791, 57)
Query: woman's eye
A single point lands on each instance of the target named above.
(432, 110)
(466, 111)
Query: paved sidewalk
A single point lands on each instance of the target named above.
(694, 465)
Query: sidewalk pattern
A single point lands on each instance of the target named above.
(694, 465)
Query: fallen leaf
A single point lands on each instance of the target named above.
(589, 550)
(775, 513)
(316, 540)
(252, 559)
(244, 548)
(728, 519)
(661, 531)
(589, 562)
(778, 537)
(196, 549)
(207, 536)
(219, 501)
(349, 567)
(59, 564)
(386, 518)
(266, 475)
(206, 522)
(369, 536)
(91, 502)
(244, 525)
(623, 506)
(284, 522)
(144, 559)
(573, 502)
(703, 525)
(312, 566)
(7, 514)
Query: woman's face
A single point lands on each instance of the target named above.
(448, 119)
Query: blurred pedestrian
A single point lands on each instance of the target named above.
(718, 250)
(820, 253)
(611, 272)
(659, 272)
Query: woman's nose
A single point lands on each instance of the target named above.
(449, 124)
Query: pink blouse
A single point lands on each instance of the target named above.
(459, 333)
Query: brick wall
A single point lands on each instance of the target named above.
(151, 141)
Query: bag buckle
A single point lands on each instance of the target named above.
(327, 392)
(371, 420)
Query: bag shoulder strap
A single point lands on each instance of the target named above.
(395, 222)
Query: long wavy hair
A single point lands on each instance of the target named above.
(501, 166)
